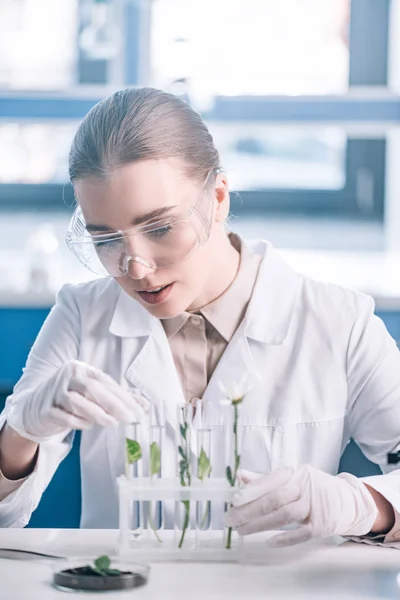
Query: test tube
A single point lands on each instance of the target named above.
(184, 422)
(134, 470)
(156, 440)
(125, 518)
(203, 433)
(233, 451)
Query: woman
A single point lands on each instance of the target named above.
(184, 307)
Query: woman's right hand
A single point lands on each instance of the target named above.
(77, 396)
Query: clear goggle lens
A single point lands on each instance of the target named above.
(156, 246)
(154, 249)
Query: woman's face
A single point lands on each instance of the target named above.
(133, 194)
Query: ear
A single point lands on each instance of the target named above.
(222, 197)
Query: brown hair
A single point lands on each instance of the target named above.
(141, 124)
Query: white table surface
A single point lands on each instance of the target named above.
(335, 570)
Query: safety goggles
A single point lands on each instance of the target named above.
(158, 244)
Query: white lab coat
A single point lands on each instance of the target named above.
(319, 368)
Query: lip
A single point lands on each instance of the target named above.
(151, 289)
(156, 297)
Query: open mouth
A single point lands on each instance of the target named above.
(156, 295)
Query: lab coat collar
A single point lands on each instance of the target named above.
(268, 315)
(274, 298)
(130, 319)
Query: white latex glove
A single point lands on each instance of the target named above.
(77, 396)
(322, 505)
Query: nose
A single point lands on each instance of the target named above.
(137, 267)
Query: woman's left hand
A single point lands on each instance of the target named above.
(321, 504)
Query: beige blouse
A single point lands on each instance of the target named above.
(198, 340)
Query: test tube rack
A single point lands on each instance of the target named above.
(172, 504)
(199, 544)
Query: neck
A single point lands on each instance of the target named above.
(225, 268)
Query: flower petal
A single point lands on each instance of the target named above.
(225, 402)
(236, 390)
(222, 387)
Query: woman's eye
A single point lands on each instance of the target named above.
(161, 232)
(107, 244)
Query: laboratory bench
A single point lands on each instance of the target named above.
(332, 569)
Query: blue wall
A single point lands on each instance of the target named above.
(61, 502)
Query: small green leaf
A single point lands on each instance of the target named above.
(237, 462)
(133, 451)
(182, 429)
(229, 476)
(155, 459)
(113, 572)
(203, 465)
(102, 564)
(182, 452)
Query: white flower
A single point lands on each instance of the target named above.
(224, 402)
(232, 393)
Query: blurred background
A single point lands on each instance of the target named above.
(302, 98)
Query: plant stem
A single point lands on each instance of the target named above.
(205, 517)
(152, 525)
(235, 437)
(229, 539)
(185, 477)
(186, 504)
(236, 465)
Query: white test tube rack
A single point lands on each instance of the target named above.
(149, 538)
(209, 545)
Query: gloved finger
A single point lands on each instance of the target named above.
(83, 371)
(290, 538)
(85, 408)
(81, 375)
(267, 504)
(248, 476)
(127, 396)
(99, 394)
(261, 486)
(286, 515)
(66, 420)
(114, 400)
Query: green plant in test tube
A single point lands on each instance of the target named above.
(155, 466)
(232, 397)
(184, 469)
(133, 451)
(203, 472)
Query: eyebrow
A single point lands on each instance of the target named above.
(154, 214)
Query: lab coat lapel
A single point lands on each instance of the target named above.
(146, 359)
(236, 365)
(154, 375)
(267, 321)
(146, 366)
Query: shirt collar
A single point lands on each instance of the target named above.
(276, 293)
(173, 325)
(226, 312)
